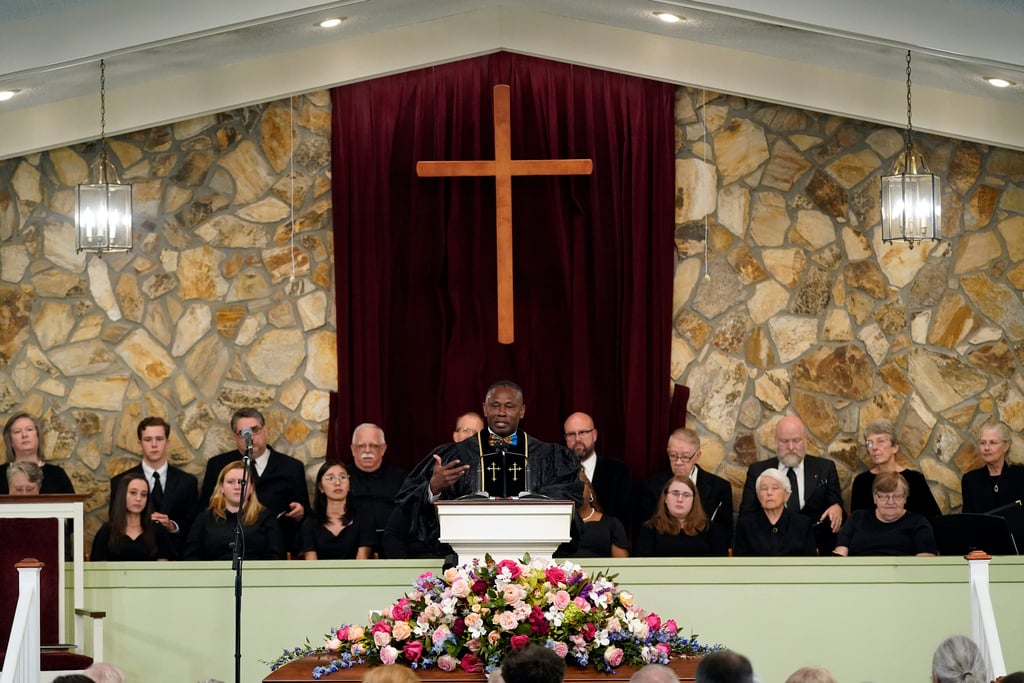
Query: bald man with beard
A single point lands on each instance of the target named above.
(816, 491)
(609, 477)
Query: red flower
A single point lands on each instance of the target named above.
(381, 626)
(459, 627)
(401, 611)
(653, 622)
(520, 641)
(514, 570)
(588, 631)
(555, 575)
(471, 664)
(412, 650)
(479, 587)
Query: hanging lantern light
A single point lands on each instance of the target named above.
(103, 210)
(911, 194)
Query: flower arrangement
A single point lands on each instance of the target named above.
(472, 616)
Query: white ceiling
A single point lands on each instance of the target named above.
(168, 61)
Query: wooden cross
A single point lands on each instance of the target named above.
(503, 167)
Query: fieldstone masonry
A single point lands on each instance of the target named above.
(801, 308)
(226, 302)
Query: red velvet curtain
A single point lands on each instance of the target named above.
(593, 255)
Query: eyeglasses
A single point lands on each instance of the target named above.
(877, 443)
(680, 494)
(578, 435)
(255, 430)
(991, 443)
(683, 457)
(336, 477)
(891, 497)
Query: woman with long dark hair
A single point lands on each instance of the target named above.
(131, 535)
(679, 526)
(334, 531)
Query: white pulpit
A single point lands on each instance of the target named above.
(504, 529)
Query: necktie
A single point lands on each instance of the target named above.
(509, 440)
(793, 504)
(158, 492)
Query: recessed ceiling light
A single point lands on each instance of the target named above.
(668, 17)
(999, 82)
(331, 23)
(7, 94)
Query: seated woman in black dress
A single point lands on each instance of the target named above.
(603, 535)
(213, 532)
(333, 532)
(883, 445)
(21, 437)
(889, 529)
(679, 526)
(997, 482)
(131, 535)
(774, 531)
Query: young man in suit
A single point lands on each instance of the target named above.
(683, 457)
(609, 477)
(815, 482)
(174, 493)
(280, 479)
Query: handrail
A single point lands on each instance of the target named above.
(984, 630)
(21, 664)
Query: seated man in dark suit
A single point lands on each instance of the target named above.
(683, 455)
(374, 483)
(815, 483)
(173, 493)
(609, 477)
(280, 479)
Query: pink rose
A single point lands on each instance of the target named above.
(388, 655)
(381, 627)
(653, 622)
(333, 644)
(412, 650)
(507, 621)
(381, 638)
(582, 603)
(613, 625)
(471, 664)
(613, 655)
(447, 663)
(401, 611)
(519, 641)
(512, 593)
(663, 649)
(440, 634)
(670, 627)
(493, 637)
(561, 649)
(401, 631)
(460, 588)
(342, 633)
(562, 600)
(515, 571)
(355, 633)
(554, 575)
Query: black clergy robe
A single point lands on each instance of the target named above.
(554, 472)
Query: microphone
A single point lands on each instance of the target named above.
(717, 508)
(1004, 508)
(246, 434)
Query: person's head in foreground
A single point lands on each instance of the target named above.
(958, 660)
(725, 666)
(654, 673)
(811, 674)
(533, 664)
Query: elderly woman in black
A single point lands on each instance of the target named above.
(679, 526)
(882, 444)
(22, 440)
(773, 531)
(889, 529)
(998, 482)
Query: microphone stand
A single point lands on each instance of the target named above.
(238, 553)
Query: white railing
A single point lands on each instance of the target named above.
(21, 665)
(983, 619)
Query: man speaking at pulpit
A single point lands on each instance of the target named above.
(499, 462)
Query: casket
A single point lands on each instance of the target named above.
(301, 671)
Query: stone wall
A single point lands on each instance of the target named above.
(222, 303)
(797, 305)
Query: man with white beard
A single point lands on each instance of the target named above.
(815, 483)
